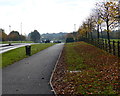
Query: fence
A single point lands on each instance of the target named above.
(113, 48)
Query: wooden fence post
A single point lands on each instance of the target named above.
(118, 48)
(106, 45)
(109, 42)
(103, 44)
(114, 51)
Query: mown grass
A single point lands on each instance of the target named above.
(0, 60)
(73, 59)
(97, 70)
(15, 55)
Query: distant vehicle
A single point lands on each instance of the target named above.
(57, 42)
(47, 41)
(51, 41)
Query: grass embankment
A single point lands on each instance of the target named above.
(85, 69)
(17, 54)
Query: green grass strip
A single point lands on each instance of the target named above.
(17, 54)
(74, 61)
(91, 61)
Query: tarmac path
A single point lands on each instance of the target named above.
(31, 75)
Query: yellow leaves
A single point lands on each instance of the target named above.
(100, 21)
(108, 3)
(84, 28)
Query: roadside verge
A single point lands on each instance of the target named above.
(79, 71)
(17, 54)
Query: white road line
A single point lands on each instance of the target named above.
(5, 49)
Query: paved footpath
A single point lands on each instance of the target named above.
(31, 75)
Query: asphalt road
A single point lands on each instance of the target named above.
(13, 46)
(31, 75)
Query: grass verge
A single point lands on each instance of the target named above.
(15, 55)
(73, 59)
(85, 69)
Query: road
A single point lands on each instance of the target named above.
(31, 75)
(13, 46)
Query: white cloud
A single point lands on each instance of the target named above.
(44, 15)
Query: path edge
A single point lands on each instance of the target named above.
(54, 72)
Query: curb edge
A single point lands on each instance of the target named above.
(54, 71)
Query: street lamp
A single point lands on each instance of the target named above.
(74, 27)
(10, 28)
(10, 31)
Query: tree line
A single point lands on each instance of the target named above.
(103, 22)
(54, 36)
(12, 36)
(34, 36)
(15, 36)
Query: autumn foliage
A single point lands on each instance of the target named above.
(12, 36)
(3, 35)
(92, 71)
(104, 18)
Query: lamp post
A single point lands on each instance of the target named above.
(10, 31)
(10, 28)
(75, 33)
(74, 27)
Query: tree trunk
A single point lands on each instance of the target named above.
(91, 36)
(86, 34)
(98, 34)
(101, 32)
(108, 35)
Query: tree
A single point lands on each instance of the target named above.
(69, 38)
(75, 36)
(90, 26)
(22, 37)
(98, 21)
(108, 12)
(87, 28)
(35, 36)
(14, 36)
(83, 31)
(3, 35)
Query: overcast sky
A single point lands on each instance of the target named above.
(46, 16)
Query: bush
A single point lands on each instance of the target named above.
(69, 40)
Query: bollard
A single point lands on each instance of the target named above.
(28, 50)
(9, 44)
